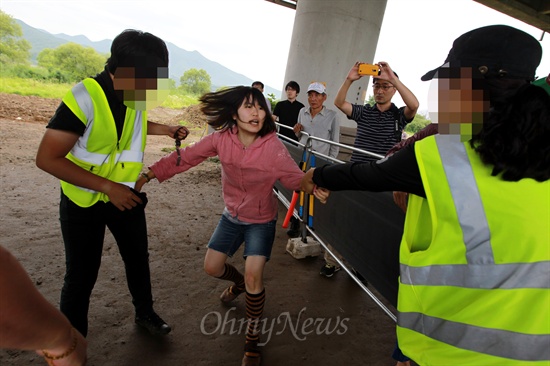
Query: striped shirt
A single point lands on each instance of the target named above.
(376, 130)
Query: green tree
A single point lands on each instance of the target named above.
(419, 122)
(71, 62)
(171, 84)
(196, 81)
(13, 49)
(273, 100)
(370, 101)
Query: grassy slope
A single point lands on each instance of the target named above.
(31, 87)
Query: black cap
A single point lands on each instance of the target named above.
(498, 50)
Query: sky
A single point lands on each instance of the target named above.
(252, 37)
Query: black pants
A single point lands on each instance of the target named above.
(83, 232)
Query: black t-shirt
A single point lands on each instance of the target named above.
(64, 119)
(399, 172)
(288, 115)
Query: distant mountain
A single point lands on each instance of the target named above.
(103, 46)
(180, 59)
(38, 39)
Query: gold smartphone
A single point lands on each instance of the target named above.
(368, 69)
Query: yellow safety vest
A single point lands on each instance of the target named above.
(99, 151)
(475, 263)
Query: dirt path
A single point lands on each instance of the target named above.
(310, 320)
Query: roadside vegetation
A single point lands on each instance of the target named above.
(45, 88)
(58, 69)
(33, 87)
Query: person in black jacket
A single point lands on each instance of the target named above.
(488, 167)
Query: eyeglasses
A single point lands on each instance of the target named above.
(383, 87)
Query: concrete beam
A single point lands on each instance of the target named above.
(288, 3)
(327, 39)
(533, 12)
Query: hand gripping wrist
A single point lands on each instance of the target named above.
(144, 175)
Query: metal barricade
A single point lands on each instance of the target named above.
(364, 227)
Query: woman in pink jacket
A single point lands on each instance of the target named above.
(252, 159)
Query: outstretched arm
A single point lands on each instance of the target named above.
(154, 128)
(181, 160)
(144, 178)
(28, 321)
(340, 99)
(399, 172)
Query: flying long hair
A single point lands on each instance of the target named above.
(515, 137)
(220, 107)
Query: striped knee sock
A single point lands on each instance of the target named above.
(254, 310)
(232, 274)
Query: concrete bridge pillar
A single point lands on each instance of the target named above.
(328, 37)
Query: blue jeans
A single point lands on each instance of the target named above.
(258, 238)
(83, 232)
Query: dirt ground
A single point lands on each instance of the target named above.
(310, 320)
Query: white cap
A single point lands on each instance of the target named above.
(317, 87)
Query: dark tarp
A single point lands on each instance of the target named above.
(364, 227)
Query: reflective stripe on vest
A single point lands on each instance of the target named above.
(502, 343)
(98, 150)
(476, 276)
(471, 217)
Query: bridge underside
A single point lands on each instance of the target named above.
(533, 12)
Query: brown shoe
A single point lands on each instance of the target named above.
(251, 354)
(227, 295)
(251, 361)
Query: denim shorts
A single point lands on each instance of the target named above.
(258, 238)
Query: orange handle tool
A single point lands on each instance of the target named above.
(290, 211)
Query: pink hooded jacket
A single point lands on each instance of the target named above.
(248, 174)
